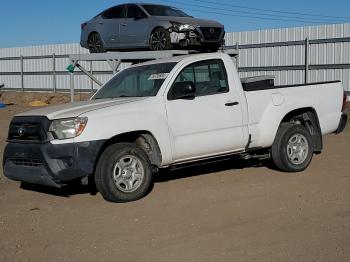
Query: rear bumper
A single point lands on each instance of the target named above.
(49, 164)
(342, 123)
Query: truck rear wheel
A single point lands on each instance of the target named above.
(123, 173)
(292, 149)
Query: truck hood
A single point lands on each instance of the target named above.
(190, 20)
(78, 108)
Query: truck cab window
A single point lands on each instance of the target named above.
(138, 81)
(209, 77)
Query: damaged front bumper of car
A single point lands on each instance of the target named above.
(185, 35)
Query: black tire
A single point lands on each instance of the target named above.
(110, 185)
(160, 40)
(287, 153)
(95, 43)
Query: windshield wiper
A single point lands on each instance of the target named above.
(113, 97)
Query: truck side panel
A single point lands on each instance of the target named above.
(147, 115)
(267, 109)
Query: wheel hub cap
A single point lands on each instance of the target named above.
(94, 44)
(128, 173)
(158, 40)
(297, 149)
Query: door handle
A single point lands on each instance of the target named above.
(231, 103)
(123, 24)
(100, 23)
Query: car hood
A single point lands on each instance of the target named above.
(78, 108)
(190, 20)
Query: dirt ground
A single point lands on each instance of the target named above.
(228, 211)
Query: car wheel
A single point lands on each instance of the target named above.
(95, 44)
(123, 173)
(160, 40)
(292, 149)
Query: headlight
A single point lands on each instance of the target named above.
(68, 127)
(186, 27)
(182, 27)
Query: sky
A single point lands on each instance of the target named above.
(40, 22)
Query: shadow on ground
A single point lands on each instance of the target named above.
(206, 168)
(73, 188)
(164, 175)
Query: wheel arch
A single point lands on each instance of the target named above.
(157, 27)
(95, 32)
(307, 116)
(92, 32)
(143, 138)
(154, 29)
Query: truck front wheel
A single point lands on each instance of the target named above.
(123, 173)
(292, 149)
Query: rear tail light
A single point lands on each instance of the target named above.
(344, 101)
(83, 25)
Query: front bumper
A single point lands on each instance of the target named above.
(50, 164)
(342, 123)
(197, 37)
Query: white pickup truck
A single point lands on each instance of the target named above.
(166, 113)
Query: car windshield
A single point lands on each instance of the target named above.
(140, 81)
(161, 10)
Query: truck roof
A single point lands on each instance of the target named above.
(176, 59)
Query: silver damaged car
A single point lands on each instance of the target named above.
(149, 26)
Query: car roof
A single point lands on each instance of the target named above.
(124, 4)
(145, 3)
(139, 3)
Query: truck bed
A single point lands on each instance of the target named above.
(257, 83)
(266, 103)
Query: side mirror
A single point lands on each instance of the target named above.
(182, 90)
(139, 16)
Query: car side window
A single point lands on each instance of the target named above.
(133, 10)
(114, 12)
(209, 77)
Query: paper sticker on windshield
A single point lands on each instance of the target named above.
(158, 76)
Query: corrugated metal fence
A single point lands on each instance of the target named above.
(279, 52)
(44, 68)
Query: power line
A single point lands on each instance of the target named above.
(243, 16)
(274, 11)
(299, 19)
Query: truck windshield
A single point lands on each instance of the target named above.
(162, 10)
(140, 81)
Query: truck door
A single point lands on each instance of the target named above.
(212, 122)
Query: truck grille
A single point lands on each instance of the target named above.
(27, 162)
(28, 129)
(211, 33)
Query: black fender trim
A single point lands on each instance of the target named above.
(342, 123)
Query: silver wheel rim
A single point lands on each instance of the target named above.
(158, 40)
(128, 173)
(94, 44)
(297, 149)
